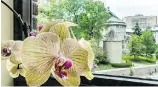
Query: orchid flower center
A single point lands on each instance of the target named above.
(6, 51)
(61, 65)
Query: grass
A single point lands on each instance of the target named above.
(140, 59)
(144, 62)
(104, 67)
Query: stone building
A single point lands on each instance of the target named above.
(143, 21)
(114, 39)
(155, 32)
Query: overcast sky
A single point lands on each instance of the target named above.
(124, 8)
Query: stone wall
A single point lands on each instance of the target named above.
(137, 71)
(113, 51)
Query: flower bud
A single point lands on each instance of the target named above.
(40, 27)
(33, 33)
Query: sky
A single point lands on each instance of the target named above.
(123, 8)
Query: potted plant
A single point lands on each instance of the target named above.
(51, 50)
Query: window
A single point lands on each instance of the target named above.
(132, 60)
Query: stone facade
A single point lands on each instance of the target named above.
(156, 36)
(113, 51)
(144, 21)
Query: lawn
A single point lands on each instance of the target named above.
(103, 67)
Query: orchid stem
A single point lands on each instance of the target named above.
(72, 34)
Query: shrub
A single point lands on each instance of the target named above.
(99, 54)
(151, 60)
(156, 54)
(122, 65)
(139, 58)
(127, 57)
(96, 61)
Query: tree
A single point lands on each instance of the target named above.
(137, 29)
(147, 39)
(93, 20)
(135, 46)
(90, 15)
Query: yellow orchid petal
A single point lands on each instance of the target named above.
(69, 46)
(88, 74)
(15, 49)
(36, 79)
(47, 26)
(79, 56)
(61, 30)
(13, 46)
(86, 45)
(15, 75)
(40, 52)
(12, 68)
(8, 43)
(73, 79)
(14, 60)
(22, 71)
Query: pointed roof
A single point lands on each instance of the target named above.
(114, 19)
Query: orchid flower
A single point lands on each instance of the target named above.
(11, 50)
(62, 30)
(44, 54)
(33, 33)
(15, 67)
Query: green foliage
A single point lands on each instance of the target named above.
(151, 60)
(122, 65)
(96, 61)
(104, 67)
(127, 57)
(93, 20)
(135, 46)
(147, 39)
(137, 29)
(98, 52)
(144, 44)
(156, 54)
(90, 15)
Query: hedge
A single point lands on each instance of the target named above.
(152, 60)
(121, 65)
(139, 58)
